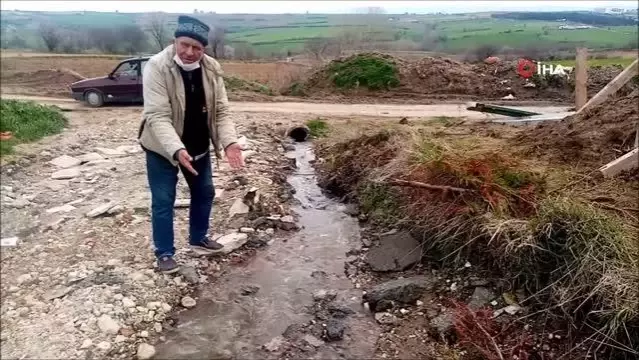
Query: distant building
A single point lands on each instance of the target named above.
(574, 27)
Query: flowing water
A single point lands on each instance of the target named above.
(226, 324)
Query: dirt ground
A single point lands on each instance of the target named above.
(72, 279)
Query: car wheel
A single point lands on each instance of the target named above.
(94, 98)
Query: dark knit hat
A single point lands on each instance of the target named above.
(193, 28)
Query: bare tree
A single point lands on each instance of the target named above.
(107, 40)
(216, 41)
(50, 35)
(244, 51)
(156, 26)
(132, 38)
(316, 47)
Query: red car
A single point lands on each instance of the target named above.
(122, 85)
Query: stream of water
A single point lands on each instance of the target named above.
(226, 324)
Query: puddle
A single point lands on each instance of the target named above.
(226, 324)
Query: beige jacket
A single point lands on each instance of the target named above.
(164, 102)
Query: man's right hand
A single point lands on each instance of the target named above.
(185, 160)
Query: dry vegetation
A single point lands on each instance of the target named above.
(562, 234)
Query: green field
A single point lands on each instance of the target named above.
(277, 35)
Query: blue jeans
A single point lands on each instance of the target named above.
(163, 177)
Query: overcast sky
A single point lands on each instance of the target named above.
(278, 7)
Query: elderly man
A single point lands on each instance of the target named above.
(185, 110)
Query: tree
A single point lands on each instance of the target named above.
(156, 26)
(106, 39)
(50, 35)
(133, 39)
(316, 47)
(216, 41)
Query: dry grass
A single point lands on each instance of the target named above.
(578, 261)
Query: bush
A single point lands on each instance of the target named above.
(365, 70)
(318, 127)
(27, 122)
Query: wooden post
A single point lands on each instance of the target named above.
(581, 78)
(613, 86)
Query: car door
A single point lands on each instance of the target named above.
(141, 71)
(125, 81)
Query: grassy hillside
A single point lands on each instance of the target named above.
(288, 33)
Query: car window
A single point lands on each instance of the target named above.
(127, 69)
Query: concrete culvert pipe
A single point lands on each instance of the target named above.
(298, 133)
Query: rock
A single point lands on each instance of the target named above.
(403, 311)
(403, 121)
(512, 309)
(18, 203)
(385, 318)
(127, 331)
(324, 295)
(120, 339)
(232, 242)
(9, 241)
(157, 327)
(101, 210)
(274, 344)
(128, 149)
(153, 305)
(247, 290)
(105, 345)
(58, 293)
(530, 85)
(443, 324)
(24, 278)
(92, 156)
(111, 152)
(508, 97)
(384, 305)
(128, 303)
(145, 351)
(144, 334)
(395, 252)
(405, 291)
(313, 341)
(138, 276)
(190, 274)
(63, 208)
(335, 330)
(108, 325)
(188, 302)
(481, 296)
(65, 161)
(238, 208)
(86, 344)
(166, 307)
(339, 311)
(66, 174)
(247, 230)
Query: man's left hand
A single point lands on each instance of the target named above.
(234, 155)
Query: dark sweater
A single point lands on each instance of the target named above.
(195, 136)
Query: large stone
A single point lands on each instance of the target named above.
(443, 324)
(92, 156)
(405, 291)
(335, 330)
(145, 351)
(395, 252)
(65, 161)
(238, 208)
(63, 208)
(111, 152)
(232, 242)
(481, 296)
(101, 209)
(66, 174)
(108, 325)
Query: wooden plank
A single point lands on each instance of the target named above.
(535, 118)
(613, 86)
(581, 78)
(626, 162)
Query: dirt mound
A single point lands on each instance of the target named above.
(52, 82)
(438, 76)
(592, 138)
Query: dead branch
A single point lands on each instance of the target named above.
(427, 186)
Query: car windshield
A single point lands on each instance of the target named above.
(127, 69)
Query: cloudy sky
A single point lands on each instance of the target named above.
(274, 7)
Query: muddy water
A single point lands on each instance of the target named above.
(226, 324)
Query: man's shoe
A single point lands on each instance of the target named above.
(167, 265)
(207, 247)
